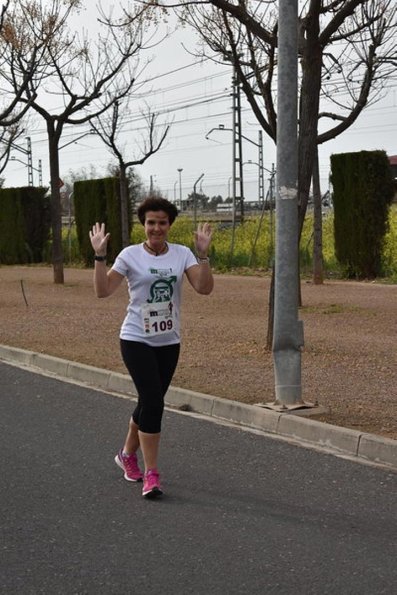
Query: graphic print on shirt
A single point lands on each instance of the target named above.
(161, 290)
(157, 312)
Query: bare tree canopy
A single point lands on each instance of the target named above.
(109, 129)
(23, 46)
(75, 79)
(347, 53)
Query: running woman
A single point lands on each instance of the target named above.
(150, 333)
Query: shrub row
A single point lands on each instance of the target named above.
(363, 189)
(25, 221)
(97, 201)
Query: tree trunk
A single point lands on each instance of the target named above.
(308, 114)
(125, 235)
(307, 141)
(56, 211)
(270, 317)
(318, 276)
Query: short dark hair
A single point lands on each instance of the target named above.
(157, 204)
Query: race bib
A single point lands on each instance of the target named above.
(157, 318)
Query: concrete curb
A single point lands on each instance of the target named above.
(366, 447)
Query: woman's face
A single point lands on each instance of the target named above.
(156, 227)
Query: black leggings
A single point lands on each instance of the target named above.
(151, 369)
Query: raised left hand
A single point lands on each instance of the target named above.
(202, 239)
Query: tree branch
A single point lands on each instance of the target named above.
(348, 8)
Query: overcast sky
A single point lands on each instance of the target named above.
(195, 98)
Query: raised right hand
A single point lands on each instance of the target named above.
(99, 239)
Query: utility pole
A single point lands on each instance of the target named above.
(288, 330)
(237, 165)
(238, 184)
(40, 174)
(30, 161)
(195, 200)
(261, 193)
(180, 170)
(28, 153)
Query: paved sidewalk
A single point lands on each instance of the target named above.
(343, 441)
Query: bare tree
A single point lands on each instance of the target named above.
(109, 129)
(18, 50)
(15, 49)
(80, 79)
(23, 46)
(347, 51)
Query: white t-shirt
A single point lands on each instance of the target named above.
(154, 286)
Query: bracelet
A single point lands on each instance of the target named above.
(99, 258)
(202, 260)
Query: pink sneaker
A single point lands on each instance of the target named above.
(151, 484)
(129, 464)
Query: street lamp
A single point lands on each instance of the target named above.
(175, 183)
(180, 170)
(228, 186)
(151, 187)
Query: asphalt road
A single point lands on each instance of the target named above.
(243, 513)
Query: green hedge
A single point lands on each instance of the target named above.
(362, 193)
(24, 224)
(97, 201)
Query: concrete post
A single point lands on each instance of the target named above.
(288, 331)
